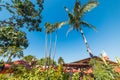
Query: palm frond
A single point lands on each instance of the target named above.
(49, 28)
(77, 7)
(59, 24)
(71, 16)
(88, 25)
(52, 27)
(88, 6)
(66, 9)
(47, 24)
(70, 29)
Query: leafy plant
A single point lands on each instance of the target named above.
(103, 70)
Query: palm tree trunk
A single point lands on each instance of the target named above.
(45, 54)
(50, 49)
(55, 47)
(86, 43)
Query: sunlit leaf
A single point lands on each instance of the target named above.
(88, 6)
(88, 25)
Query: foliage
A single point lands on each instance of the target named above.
(12, 42)
(87, 77)
(29, 58)
(48, 61)
(75, 18)
(52, 27)
(103, 70)
(61, 60)
(23, 13)
(22, 73)
(118, 61)
(75, 76)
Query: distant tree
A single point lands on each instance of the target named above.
(48, 60)
(12, 42)
(23, 13)
(29, 58)
(76, 19)
(41, 62)
(61, 60)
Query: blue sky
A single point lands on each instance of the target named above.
(105, 17)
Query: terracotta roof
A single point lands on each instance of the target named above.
(85, 62)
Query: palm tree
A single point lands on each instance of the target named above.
(45, 54)
(50, 28)
(55, 43)
(76, 22)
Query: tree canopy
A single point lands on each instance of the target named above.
(12, 42)
(23, 13)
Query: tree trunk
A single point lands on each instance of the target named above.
(9, 58)
(45, 54)
(55, 47)
(49, 57)
(86, 43)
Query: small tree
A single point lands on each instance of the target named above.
(29, 58)
(61, 60)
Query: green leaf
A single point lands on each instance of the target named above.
(70, 29)
(88, 6)
(88, 25)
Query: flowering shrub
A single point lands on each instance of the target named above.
(21, 73)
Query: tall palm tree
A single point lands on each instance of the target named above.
(57, 26)
(76, 22)
(55, 43)
(45, 49)
(50, 28)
